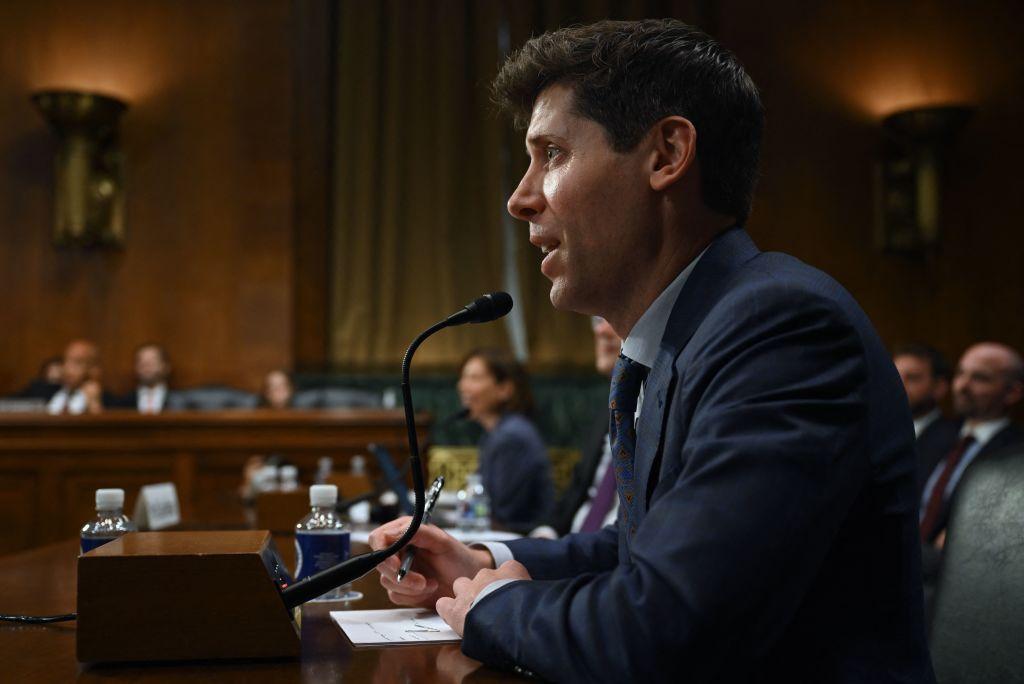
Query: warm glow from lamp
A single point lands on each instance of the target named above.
(100, 54)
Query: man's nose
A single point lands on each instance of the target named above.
(527, 201)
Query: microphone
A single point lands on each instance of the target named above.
(483, 309)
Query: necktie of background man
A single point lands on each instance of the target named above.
(936, 501)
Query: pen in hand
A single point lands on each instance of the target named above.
(432, 495)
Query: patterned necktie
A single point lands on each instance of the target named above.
(627, 378)
(937, 499)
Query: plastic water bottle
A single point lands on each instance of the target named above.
(474, 506)
(289, 478)
(110, 522)
(322, 541)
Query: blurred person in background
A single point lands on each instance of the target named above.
(926, 378)
(514, 465)
(989, 382)
(80, 391)
(152, 370)
(47, 382)
(277, 390)
(590, 501)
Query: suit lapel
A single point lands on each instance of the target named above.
(710, 279)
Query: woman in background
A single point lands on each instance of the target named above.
(277, 391)
(514, 464)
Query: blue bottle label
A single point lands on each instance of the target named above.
(90, 543)
(315, 552)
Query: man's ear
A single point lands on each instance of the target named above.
(673, 151)
(1014, 393)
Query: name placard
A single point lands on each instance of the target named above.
(157, 507)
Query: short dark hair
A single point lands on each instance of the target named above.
(503, 367)
(628, 75)
(154, 345)
(941, 369)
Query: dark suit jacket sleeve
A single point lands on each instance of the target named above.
(744, 514)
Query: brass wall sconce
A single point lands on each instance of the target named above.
(89, 186)
(908, 178)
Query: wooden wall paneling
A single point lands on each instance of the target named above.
(312, 118)
(207, 264)
(51, 466)
(19, 499)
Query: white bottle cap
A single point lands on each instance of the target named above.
(109, 499)
(323, 495)
(289, 472)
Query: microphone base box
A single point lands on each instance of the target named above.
(169, 596)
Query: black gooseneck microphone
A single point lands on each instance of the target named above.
(483, 309)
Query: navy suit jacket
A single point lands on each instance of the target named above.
(516, 473)
(777, 532)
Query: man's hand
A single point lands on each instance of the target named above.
(440, 560)
(453, 610)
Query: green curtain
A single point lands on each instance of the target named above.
(420, 183)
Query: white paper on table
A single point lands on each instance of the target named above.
(393, 627)
(466, 536)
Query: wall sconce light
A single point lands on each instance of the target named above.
(89, 187)
(908, 178)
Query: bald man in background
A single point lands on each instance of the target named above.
(81, 391)
(988, 383)
(589, 502)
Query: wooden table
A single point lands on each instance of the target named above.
(50, 466)
(43, 582)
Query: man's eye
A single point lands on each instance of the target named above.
(550, 152)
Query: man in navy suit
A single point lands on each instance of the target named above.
(926, 378)
(768, 522)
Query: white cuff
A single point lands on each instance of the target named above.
(500, 552)
(490, 588)
(544, 532)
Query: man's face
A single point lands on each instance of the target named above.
(278, 390)
(982, 389)
(607, 345)
(150, 368)
(590, 208)
(924, 390)
(79, 364)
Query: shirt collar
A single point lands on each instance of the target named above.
(921, 424)
(985, 430)
(643, 341)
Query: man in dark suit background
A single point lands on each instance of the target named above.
(767, 526)
(585, 504)
(152, 371)
(81, 389)
(926, 377)
(47, 383)
(989, 382)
